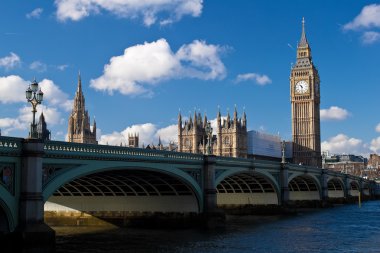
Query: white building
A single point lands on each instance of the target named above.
(263, 145)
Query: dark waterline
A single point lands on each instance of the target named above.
(340, 229)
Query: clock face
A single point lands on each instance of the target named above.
(302, 87)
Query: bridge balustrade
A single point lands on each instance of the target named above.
(57, 148)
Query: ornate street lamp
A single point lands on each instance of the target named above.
(283, 158)
(208, 130)
(35, 97)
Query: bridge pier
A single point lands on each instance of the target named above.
(284, 179)
(213, 217)
(32, 230)
(347, 188)
(325, 188)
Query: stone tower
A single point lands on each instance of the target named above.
(305, 100)
(192, 135)
(231, 135)
(133, 140)
(230, 139)
(42, 131)
(79, 129)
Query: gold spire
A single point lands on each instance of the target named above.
(303, 42)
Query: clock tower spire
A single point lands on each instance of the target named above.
(305, 103)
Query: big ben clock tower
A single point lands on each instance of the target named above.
(305, 100)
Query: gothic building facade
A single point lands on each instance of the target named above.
(42, 131)
(230, 138)
(305, 104)
(79, 129)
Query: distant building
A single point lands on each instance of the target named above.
(133, 140)
(160, 146)
(373, 167)
(374, 161)
(79, 129)
(230, 139)
(267, 146)
(42, 131)
(345, 163)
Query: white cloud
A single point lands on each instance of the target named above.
(142, 66)
(25, 117)
(259, 79)
(168, 134)
(36, 13)
(148, 134)
(38, 66)
(200, 60)
(161, 11)
(10, 62)
(113, 139)
(55, 96)
(52, 115)
(375, 145)
(334, 113)
(377, 128)
(370, 37)
(368, 17)
(341, 143)
(9, 124)
(62, 67)
(12, 89)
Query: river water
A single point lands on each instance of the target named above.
(345, 228)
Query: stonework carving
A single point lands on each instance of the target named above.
(79, 129)
(230, 139)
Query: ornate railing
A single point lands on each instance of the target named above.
(58, 148)
(10, 145)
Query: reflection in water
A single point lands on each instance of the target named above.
(340, 229)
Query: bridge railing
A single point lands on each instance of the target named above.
(246, 162)
(59, 148)
(10, 145)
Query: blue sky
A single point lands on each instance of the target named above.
(141, 63)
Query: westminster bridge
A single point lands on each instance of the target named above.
(99, 178)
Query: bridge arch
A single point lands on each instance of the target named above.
(6, 218)
(304, 187)
(365, 189)
(100, 181)
(354, 188)
(335, 188)
(246, 188)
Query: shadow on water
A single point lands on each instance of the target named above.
(112, 239)
(339, 229)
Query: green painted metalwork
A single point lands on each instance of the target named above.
(10, 206)
(10, 146)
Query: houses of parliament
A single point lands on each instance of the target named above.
(231, 135)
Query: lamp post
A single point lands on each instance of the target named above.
(209, 136)
(283, 158)
(35, 97)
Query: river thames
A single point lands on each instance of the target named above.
(345, 228)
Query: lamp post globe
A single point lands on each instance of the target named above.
(28, 93)
(40, 96)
